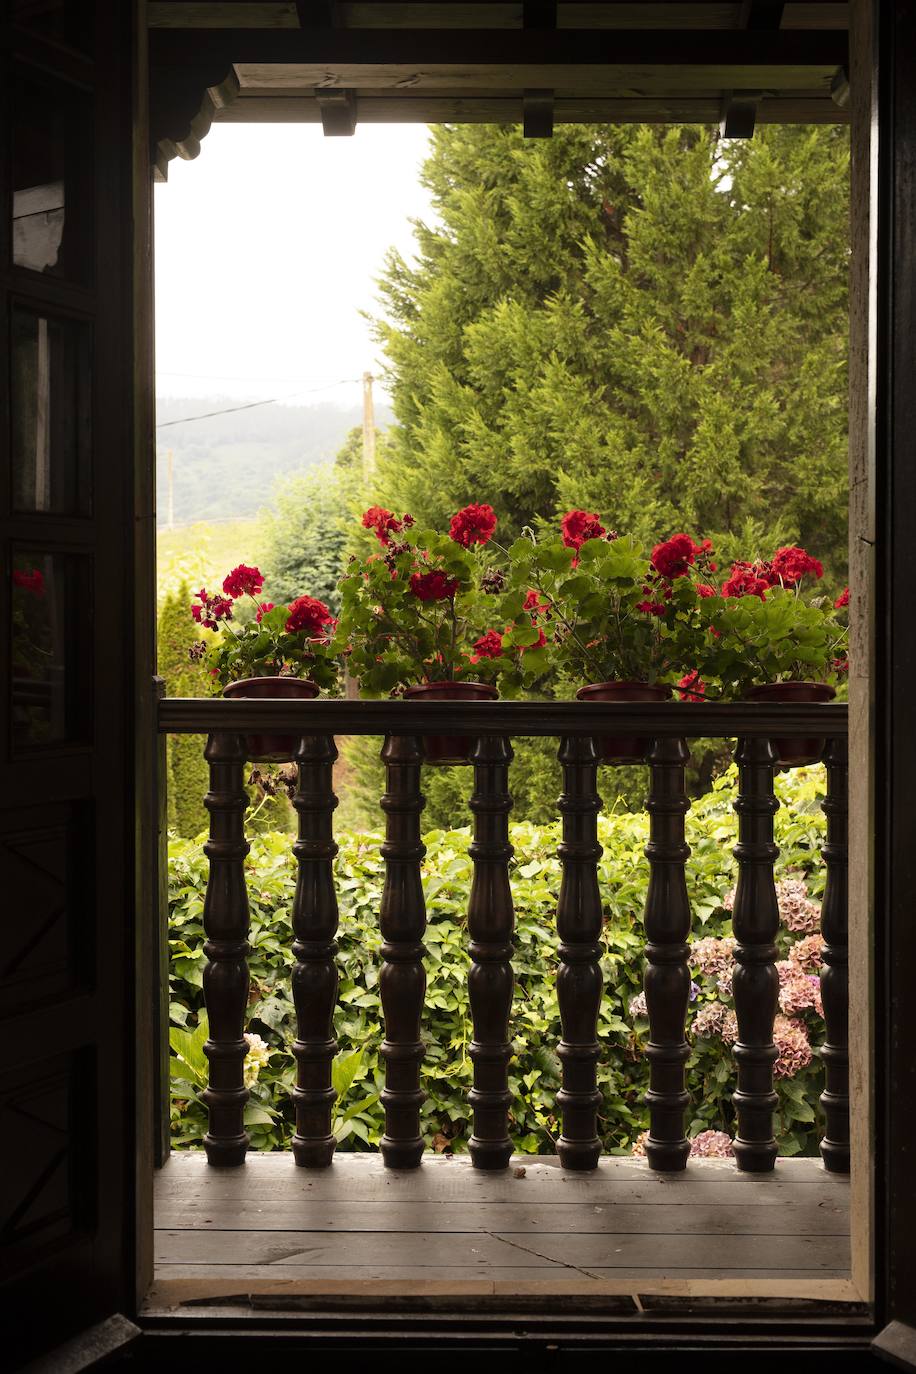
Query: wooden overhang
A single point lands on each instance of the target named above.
(537, 62)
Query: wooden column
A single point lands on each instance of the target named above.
(490, 925)
(579, 984)
(402, 981)
(667, 978)
(755, 921)
(226, 972)
(315, 973)
(835, 974)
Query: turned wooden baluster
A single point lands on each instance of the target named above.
(835, 974)
(755, 921)
(402, 981)
(226, 972)
(315, 972)
(579, 982)
(490, 925)
(667, 977)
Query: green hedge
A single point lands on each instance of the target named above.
(535, 1029)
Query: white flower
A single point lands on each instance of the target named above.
(258, 1054)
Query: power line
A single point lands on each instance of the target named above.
(227, 377)
(250, 405)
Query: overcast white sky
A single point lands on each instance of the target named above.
(268, 246)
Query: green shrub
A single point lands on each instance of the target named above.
(535, 1028)
(187, 770)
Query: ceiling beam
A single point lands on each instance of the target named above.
(461, 48)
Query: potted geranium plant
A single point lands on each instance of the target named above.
(413, 616)
(273, 651)
(770, 640)
(622, 622)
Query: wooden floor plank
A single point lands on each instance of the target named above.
(671, 1218)
(361, 1229)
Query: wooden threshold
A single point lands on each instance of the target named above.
(272, 1235)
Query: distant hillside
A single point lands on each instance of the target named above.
(224, 467)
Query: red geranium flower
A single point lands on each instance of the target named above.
(748, 579)
(579, 525)
(534, 604)
(538, 643)
(308, 616)
(33, 581)
(433, 586)
(691, 680)
(263, 608)
(651, 607)
(704, 589)
(384, 522)
(489, 645)
(841, 665)
(791, 564)
(842, 600)
(211, 610)
(243, 580)
(674, 556)
(473, 525)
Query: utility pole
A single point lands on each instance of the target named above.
(171, 490)
(368, 429)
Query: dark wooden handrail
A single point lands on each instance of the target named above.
(687, 720)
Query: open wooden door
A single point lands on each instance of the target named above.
(72, 497)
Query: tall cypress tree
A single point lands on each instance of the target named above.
(640, 320)
(187, 768)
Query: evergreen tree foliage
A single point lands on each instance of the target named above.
(303, 538)
(186, 766)
(644, 321)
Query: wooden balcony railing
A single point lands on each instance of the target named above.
(665, 727)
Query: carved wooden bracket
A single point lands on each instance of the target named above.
(183, 103)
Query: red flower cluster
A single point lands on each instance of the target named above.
(675, 555)
(433, 586)
(651, 607)
(243, 581)
(263, 608)
(791, 564)
(534, 604)
(385, 522)
(704, 589)
(692, 680)
(842, 600)
(33, 581)
(579, 525)
(473, 525)
(748, 579)
(489, 645)
(538, 643)
(309, 616)
(212, 609)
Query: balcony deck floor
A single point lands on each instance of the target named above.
(273, 1230)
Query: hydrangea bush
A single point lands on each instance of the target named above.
(535, 1029)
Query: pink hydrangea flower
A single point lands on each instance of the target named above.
(712, 1145)
(808, 953)
(638, 1005)
(796, 910)
(712, 956)
(639, 1144)
(793, 1048)
(710, 1019)
(729, 1031)
(798, 991)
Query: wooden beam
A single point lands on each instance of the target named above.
(338, 112)
(464, 49)
(539, 14)
(537, 113)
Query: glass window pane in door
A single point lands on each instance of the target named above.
(50, 405)
(51, 648)
(52, 132)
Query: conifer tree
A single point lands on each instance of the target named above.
(639, 320)
(186, 766)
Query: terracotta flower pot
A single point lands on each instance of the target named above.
(450, 749)
(794, 753)
(272, 748)
(623, 748)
